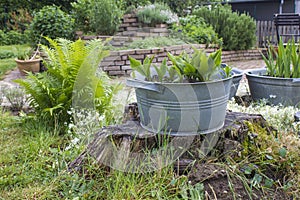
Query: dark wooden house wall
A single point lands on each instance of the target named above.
(263, 10)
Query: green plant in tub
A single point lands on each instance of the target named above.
(283, 62)
(197, 68)
(161, 72)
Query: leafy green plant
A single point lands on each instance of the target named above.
(13, 37)
(52, 22)
(236, 30)
(195, 28)
(19, 20)
(51, 93)
(283, 61)
(163, 72)
(80, 13)
(156, 13)
(99, 16)
(135, 3)
(6, 54)
(197, 68)
(105, 16)
(23, 54)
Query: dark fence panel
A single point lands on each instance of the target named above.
(266, 33)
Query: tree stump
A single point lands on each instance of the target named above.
(129, 147)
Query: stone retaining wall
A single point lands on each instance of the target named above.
(129, 30)
(118, 64)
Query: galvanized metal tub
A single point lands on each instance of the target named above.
(237, 76)
(182, 108)
(285, 91)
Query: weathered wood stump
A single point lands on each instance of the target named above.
(128, 147)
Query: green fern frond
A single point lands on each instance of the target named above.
(52, 93)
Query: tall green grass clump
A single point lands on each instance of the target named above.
(283, 61)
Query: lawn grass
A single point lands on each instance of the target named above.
(33, 165)
(8, 64)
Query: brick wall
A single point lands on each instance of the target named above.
(118, 64)
(129, 30)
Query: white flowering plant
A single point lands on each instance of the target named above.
(280, 117)
(157, 13)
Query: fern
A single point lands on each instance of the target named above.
(54, 92)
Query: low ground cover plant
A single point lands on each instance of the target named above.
(154, 42)
(277, 150)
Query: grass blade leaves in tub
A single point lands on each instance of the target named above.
(270, 62)
(295, 60)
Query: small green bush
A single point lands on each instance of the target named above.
(156, 13)
(52, 22)
(105, 16)
(236, 30)
(197, 30)
(13, 37)
(81, 15)
(6, 54)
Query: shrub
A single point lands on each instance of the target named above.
(53, 92)
(52, 22)
(105, 16)
(100, 16)
(237, 31)
(135, 3)
(181, 7)
(156, 13)
(19, 20)
(6, 54)
(197, 30)
(13, 37)
(81, 14)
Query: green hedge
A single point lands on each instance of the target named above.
(13, 37)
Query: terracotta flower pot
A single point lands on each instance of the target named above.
(28, 66)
